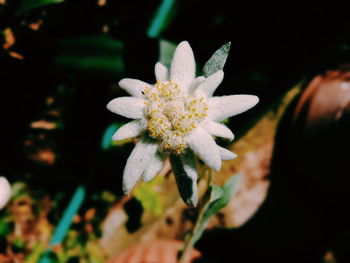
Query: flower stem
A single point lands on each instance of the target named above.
(184, 255)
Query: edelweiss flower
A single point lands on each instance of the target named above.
(5, 191)
(178, 116)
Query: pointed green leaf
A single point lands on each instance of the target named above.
(220, 197)
(217, 60)
(228, 191)
(213, 193)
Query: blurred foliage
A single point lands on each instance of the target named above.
(148, 195)
(29, 220)
(60, 62)
(96, 54)
(27, 5)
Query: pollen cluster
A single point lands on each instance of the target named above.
(171, 114)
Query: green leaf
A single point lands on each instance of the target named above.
(91, 55)
(161, 18)
(5, 228)
(217, 60)
(35, 254)
(148, 194)
(27, 5)
(95, 252)
(95, 43)
(186, 184)
(212, 194)
(18, 244)
(219, 198)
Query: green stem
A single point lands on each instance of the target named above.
(184, 256)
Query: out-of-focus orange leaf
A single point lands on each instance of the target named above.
(9, 38)
(27, 143)
(50, 100)
(55, 113)
(4, 258)
(57, 249)
(101, 2)
(44, 156)
(329, 257)
(36, 25)
(76, 219)
(42, 124)
(15, 55)
(90, 214)
(89, 228)
(155, 251)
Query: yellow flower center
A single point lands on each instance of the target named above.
(171, 114)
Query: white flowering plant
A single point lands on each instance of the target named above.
(179, 118)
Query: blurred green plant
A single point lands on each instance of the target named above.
(107, 142)
(27, 5)
(97, 54)
(148, 194)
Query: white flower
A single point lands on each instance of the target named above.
(5, 191)
(177, 116)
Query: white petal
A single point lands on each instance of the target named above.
(129, 107)
(133, 86)
(195, 83)
(221, 108)
(184, 168)
(203, 145)
(218, 129)
(5, 191)
(161, 72)
(129, 130)
(226, 154)
(137, 163)
(183, 66)
(154, 167)
(208, 87)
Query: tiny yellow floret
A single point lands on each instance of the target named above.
(171, 114)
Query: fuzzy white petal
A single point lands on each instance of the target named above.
(183, 66)
(223, 107)
(161, 72)
(153, 168)
(184, 168)
(195, 83)
(137, 163)
(218, 129)
(133, 86)
(226, 154)
(203, 145)
(129, 107)
(5, 191)
(208, 87)
(129, 130)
